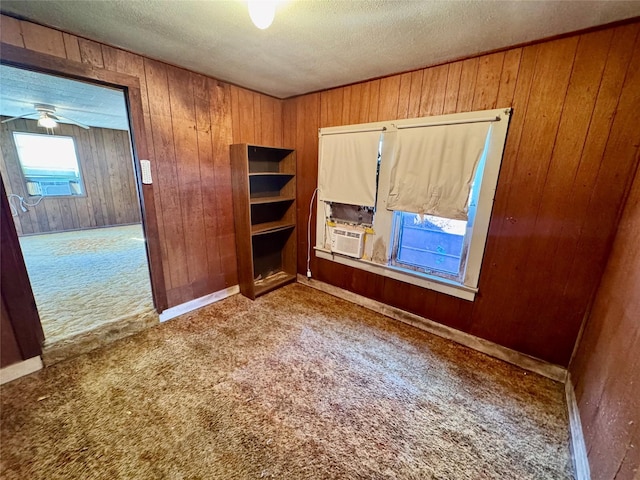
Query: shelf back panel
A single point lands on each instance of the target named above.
(272, 212)
(271, 186)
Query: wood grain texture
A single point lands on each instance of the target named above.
(305, 114)
(434, 87)
(266, 240)
(256, 118)
(106, 167)
(9, 349)
(43, 39)
(606, 366)
(189, 121)
(18, 304)
(571, 148)
(242, 218)
(131, 85)
(90, 53)
(11, 31)
(222, 137)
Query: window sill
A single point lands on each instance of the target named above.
(56, 197)
(424, 280)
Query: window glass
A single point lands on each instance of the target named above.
(429, 243)
(49, 164)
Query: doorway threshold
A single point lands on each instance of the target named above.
(98, 337)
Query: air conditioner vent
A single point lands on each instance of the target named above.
(348, 242)
(55, 188)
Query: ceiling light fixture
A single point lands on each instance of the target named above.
(47, 117)
(45, 121)
(262, 12)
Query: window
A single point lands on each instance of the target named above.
(435, 186)
(429, 244)
(438, 245)
(49, 164)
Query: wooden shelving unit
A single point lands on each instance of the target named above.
(264, 208)
(261, 200)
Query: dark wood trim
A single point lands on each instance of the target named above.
(15, 287)
(30, 60)
(41, 62)
(9, 349)
(147, 200)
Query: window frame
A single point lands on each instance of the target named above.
(382, 233)
(25, 181)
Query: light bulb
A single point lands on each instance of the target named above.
(262, 12)
(45, 121)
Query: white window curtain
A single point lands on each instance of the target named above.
(347, 167)
(434, 166)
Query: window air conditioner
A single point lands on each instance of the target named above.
(55, 188)
(348, 242)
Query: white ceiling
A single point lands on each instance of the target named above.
(86, 103)
(316, 44)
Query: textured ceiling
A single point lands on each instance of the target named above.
(316, 44)
(83, 102)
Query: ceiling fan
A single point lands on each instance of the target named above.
(47, 117)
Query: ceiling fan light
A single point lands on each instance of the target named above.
(262, 12)
(45, 121)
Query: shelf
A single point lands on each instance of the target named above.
(271, 174)
(276, 199)
(272, 282)
(271, 227)
(272, 209)
(267, 159)
(271, 185)
(264, 183)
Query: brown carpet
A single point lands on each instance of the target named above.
(296, 385)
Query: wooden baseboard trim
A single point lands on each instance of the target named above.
(187, 307)
(526, 362)
(578, 446)
(17, 370)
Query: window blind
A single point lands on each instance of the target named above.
(348, 166)
(433, 168)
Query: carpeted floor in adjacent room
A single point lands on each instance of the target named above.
(296, 385)
(86, 279)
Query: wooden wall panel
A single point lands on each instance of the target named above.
(434, 82)
(222, 137)
(42, 39)
(206, 166)
(190, 121)
(517, 234)
(9, 350)
(606, 367)
(256, 118)
(304, 114)
(107, 171)
(569, 153)
(11, 32)
(187, 181)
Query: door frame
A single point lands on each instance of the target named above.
(15, 288)
(130, 85)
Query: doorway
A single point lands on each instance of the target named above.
(69, 173)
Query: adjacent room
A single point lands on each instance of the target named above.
(320, 239)
(67, 167)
